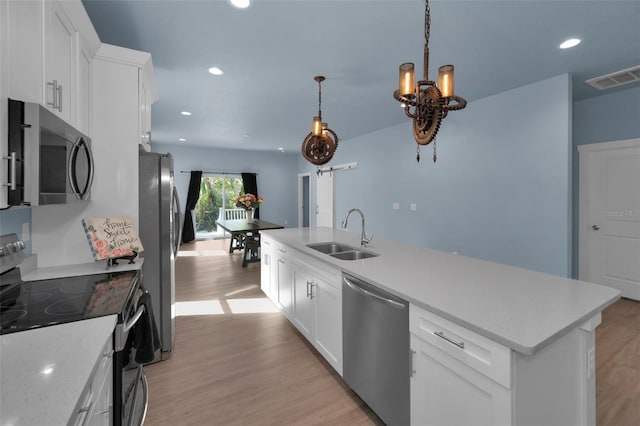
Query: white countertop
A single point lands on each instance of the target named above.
(28, 273)
(30, 396)
(521, 309)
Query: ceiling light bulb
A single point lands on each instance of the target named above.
(240, 4)
(185, 113)
(182, 140)
(215, 71)
(572, 42)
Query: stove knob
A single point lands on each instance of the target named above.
(3, 251)
(20, 245)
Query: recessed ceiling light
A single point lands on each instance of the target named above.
(281, 149)
(240, 4)
(572, 42)
(182, 140)
(185, 113)
(215, 71)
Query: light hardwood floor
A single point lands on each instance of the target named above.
(232, 368)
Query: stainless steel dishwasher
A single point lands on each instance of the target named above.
(376, 353)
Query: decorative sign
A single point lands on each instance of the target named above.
(111, 237)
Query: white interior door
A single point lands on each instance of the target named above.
(610, 215)
(325, 198)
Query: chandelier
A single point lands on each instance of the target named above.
(319, 145)
(426, 102)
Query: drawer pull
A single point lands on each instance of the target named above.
(449, 339)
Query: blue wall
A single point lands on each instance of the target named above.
(11, 221)
(500, 189)
(609, 117)
(277, 175)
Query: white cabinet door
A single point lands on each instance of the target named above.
(24, 49)
(328, 331)
(304, 310)
(83, 98)
(285, 291)
(266, 261)
(145, 115)
(58, 65)
(444, 391)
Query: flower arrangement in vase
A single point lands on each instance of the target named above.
(249, 202)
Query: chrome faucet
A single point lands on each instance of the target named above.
(363, 239)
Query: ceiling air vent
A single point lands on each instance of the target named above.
(615, 79)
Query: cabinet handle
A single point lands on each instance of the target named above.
(60, 98)
(308, 292)
(12, 171)
(449, 339)
(53, 85)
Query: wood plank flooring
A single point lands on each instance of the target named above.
(241, 368)
(231, 368)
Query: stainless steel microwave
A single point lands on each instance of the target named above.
(50, 162)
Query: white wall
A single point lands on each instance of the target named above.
(500, 189)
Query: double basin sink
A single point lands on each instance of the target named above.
(341, 251)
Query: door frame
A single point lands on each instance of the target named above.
(301, 177)
(586, 175)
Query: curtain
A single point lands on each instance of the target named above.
(250, 183)
(188, 230)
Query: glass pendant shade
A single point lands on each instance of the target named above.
(445, 80)
(407, 79)
(317, 126)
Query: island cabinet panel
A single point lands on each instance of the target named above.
(318, 308)
(462, 378)
(446, 391)
(266, 265)
(284, 278)
(308, 293)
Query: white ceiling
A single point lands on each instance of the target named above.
(271, 51)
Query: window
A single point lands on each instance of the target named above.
(217, 193)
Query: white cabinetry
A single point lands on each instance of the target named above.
(266, 264)
(145, 99)
(308, 293)
(96, 403)
(318, 308)
(284, 295)
(58, 66)
(51, 45)
(462, 378)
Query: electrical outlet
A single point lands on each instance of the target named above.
(591, 362)
(396, 206)
(413, 207)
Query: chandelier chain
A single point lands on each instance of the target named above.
(427, 23)
(319, 98)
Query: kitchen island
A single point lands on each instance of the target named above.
(525, 340)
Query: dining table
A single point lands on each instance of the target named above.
(245, 235)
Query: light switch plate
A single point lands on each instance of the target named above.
(396, 206)
(413, 207)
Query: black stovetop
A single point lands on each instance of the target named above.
(33, 304)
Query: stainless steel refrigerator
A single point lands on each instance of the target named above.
(159, 227)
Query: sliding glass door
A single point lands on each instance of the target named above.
(217, 192)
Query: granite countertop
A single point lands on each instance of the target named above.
(44, 371)
(28, 395)
(519, 308)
